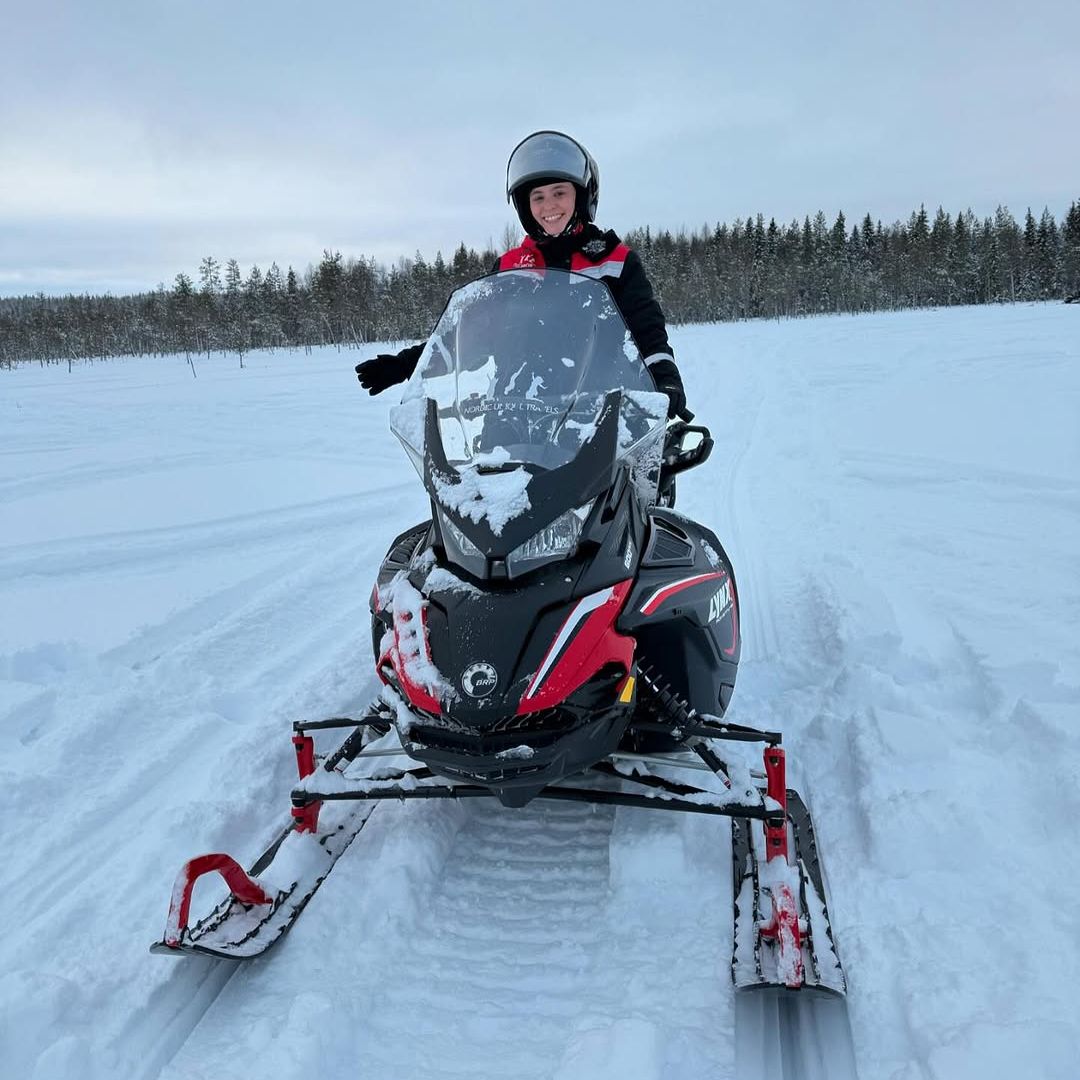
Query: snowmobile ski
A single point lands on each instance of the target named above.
(266, 900)
(782, 935)
(256, 914)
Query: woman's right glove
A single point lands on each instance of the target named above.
(381, 372)
(668, 381)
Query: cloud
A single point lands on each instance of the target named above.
(149, 135)
(109, 166)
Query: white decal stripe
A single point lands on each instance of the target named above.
(606, 269)
(656, 357)
(658, 597)
(584, 607)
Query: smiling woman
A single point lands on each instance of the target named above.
(552, 206)
(554, 184)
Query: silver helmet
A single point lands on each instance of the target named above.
(550, 156)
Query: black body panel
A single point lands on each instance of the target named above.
(685, 634)
(690, 640)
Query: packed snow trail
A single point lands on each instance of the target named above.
(154, 599)
(521, 947)
(184, 569)
(906, 521)
(778, 1036)
(486, 978)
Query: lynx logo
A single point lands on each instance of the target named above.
(720, 602)
(478, 680)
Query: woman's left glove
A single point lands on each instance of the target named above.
(381, 372)
(668, 381)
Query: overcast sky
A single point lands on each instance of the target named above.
(137, 137)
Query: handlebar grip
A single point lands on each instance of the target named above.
(685, 414)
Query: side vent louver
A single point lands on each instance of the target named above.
(668, 546)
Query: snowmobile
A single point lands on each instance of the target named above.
(556, 630)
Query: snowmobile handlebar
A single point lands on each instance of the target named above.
(677, 458)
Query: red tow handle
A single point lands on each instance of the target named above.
(244, 887)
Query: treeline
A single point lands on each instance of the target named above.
(746, 270)
(750, 269)
(339, 302)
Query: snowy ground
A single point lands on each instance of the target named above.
(184, 568)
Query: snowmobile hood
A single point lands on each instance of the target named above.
(475, 498)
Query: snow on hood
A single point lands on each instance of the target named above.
(497, 496)
(442, 580)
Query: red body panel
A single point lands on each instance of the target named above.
(586, 641)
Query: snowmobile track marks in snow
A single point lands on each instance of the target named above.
(501, 962)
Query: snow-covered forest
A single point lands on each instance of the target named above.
(745, 270)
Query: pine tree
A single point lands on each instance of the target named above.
(291, 324)
(232, 278)
(181, 315)
(1008, 256)
(272, 286)
(235, 337)
(1070, 253)
(209, 276)
(460, 265)
(1048, 267)
(918, 282)
(957, 262)
(1027, 272)
(327, 289)
(942, 286)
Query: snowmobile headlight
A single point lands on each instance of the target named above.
(554, 541)
(464, 544)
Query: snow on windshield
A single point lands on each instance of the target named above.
(519, 368)
(522, 362)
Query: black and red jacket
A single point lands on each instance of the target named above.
(602, 255)
(594, 253)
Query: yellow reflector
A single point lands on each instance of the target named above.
(627, 690)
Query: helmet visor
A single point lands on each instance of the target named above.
(547, 153)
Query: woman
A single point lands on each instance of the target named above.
(554, 184)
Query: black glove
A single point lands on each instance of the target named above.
(381, 372)
(668, 381)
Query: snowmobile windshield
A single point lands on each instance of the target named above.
(519, 367)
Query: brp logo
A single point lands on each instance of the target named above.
(478, 680)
